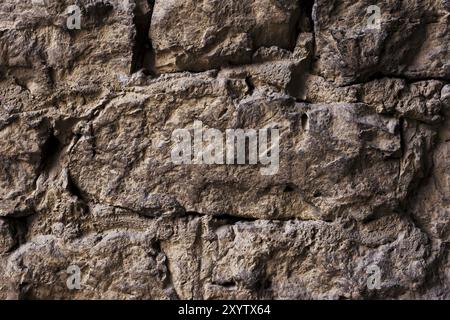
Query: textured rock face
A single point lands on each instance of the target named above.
(202, 35)
(357, 208)
(412, 40)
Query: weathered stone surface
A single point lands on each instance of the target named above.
(196, 36)
(39, 52)
(86, 175)
(98, 255)
(417, 100)
(7, 240)
(201, 257)
(333, 158)
(412, 40)
(23, 147)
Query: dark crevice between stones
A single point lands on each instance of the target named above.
(74, 190)
(308, 6)
(143, 52)
(194, 214)
(230, 219)
(263, 286)
(19, 229)
(305, 122)
(3, 72)
(228, 284)
(250, 85)
(51, 76)
(289, 188)
(50, 152)
(303, 21)
(378, 75)
(305, 25)
(25, 291)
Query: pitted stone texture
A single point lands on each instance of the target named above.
(334, 158)
(206, 258)
(200, 35)
(22, 152)
(419, 100)
(7, 240)
(115, 264)
(412, 40)
(40, 52)
(86, 178)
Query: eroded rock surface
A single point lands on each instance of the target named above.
(87, 181)
(412, 40)
(193, 35)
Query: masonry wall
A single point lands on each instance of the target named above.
(92, 204)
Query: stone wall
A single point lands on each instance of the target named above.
(359, 207)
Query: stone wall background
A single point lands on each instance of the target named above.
(86, 178)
